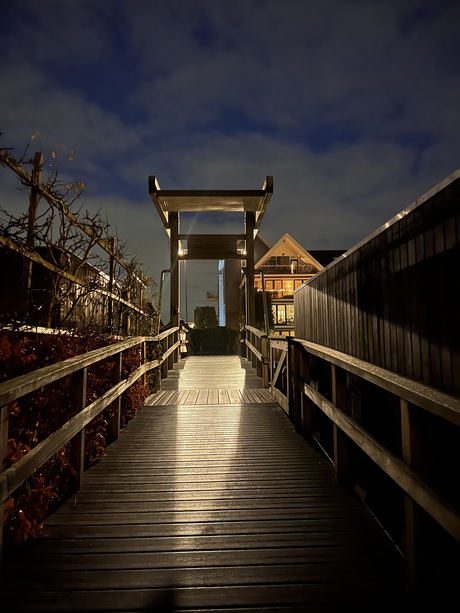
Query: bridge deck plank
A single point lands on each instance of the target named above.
(212, 507)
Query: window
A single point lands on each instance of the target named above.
(280, 314)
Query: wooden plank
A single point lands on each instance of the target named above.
(246, 598)
(213, 396)
(202, 396)
(329, 529)
(215, 507)
(313, 540)
(234, 396)
(129, 560)
(223, 397)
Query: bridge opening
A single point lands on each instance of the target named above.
(217, 246)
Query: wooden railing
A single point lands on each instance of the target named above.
(392, 441)
(73, 431)
(256, 343)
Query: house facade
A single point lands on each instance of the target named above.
(281, 270)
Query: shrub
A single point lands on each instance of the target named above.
(218, 340)
(35, 416)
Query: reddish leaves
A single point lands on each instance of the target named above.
(35, 416)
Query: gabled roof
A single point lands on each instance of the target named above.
(261, 246)
(289, 246)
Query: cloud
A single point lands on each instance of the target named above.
(352, 107)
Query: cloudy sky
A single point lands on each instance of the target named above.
(351, 105)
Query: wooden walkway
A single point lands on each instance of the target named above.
(208, 507)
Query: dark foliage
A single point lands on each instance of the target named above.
(37, 415)
(218, 340)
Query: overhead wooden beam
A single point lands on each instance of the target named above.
(213, 247)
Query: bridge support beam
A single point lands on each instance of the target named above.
(174, 303)
(250, 220)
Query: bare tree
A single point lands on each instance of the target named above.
(75, 270)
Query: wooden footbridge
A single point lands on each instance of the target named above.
(209, 501)
(313, 473)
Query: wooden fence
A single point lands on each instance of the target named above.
(392, 299)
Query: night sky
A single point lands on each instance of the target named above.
(352, 106)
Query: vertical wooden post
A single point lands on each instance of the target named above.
(340, 441)
(250, 221)
(265, 361)
(242, 346)
(409, 511)
(77, 443)
(271, 357)
(113, 428)
(164, 364)
(258, 346)
(294, 385)
(306, 409)
(171, 338)
(290, 377)
(144, 361)
(174, 277)
(3, 453)
(253, 342)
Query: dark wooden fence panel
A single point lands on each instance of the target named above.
(392, 299)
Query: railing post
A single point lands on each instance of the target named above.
(253, 341)
(114, 420)
(164, 364)
(243, 350)
(258, 346)
(293, 385)
(306, 408)
(176, 339)
(341, 444)
(409, 510)
(271, 357)
(266, 364)
(4, 412)
(143, 361)
(170, 358)
(77, 443)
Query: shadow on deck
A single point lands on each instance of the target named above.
(205, 505)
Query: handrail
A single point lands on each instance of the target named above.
(24, 384)
(399, 471)
(257, 343)
(344, 415)
(254, 350)
(255, 331)
(20, 471)
(427, 398)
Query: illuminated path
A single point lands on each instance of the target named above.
(209, 507)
